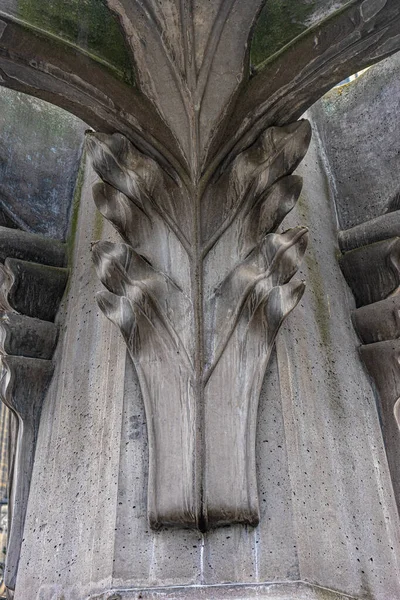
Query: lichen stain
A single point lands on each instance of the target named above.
(317, 286)
(98, 226)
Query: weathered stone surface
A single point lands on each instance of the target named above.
(26, 348)
(318, 435)
(190, 96)
(295, 78)
(25, 336)
(30, 247)
(371, 264)
(379, 321)
(284, 591)
(40, 149)
(67, 78)
(72, 534)
(280, 22)
(383, 363)
(23, 384)
(195, 113)
(32, 289)
(89, 25)
(332, 426)
(358, 124)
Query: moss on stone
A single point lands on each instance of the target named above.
(88, 24)
(316, 284)
(321, 308)
(280, 21)
(98, 226)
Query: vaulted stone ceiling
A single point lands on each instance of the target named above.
(145, 68)
(91, 25)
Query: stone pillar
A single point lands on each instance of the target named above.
(328, 520)
(188, 455)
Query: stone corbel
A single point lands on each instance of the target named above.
(199, 289)
(201, 284)
(197, 183)
(378, 326)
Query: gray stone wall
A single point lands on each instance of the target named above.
(359, 126)
(40, 152)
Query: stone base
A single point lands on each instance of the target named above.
(297, 590)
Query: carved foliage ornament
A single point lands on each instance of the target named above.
(197, 189)
(197, 183)
(199, 289)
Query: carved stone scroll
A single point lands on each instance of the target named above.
(32, 282)
(376, 230)
(373, 271)
(199, 289)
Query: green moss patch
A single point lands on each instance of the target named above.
(88, 24)
(98, 226)
(280, 21)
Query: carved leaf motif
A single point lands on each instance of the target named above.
(272, 263)
(141, 179)
(199, 290)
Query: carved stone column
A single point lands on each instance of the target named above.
(195, 148)
(201, 285)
